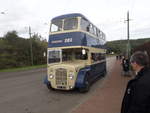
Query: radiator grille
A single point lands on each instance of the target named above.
(61, 77)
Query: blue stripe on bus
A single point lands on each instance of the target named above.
(74, 39)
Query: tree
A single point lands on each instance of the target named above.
(39, 46)
(15, 51)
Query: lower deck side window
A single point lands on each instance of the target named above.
(97, 56)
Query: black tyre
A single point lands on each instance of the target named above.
(49, 86)
(105, 72)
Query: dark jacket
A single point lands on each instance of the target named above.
(137, 95)
(125, 64)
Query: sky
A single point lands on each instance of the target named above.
(107, 15)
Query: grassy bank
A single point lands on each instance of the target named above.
(23, 68)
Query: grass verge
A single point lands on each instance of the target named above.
(23, 68)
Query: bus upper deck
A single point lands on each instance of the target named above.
(74, 30)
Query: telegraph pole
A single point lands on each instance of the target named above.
(31, 52)
(128, 36)
(128, 43)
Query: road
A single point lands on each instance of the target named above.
(24, 92)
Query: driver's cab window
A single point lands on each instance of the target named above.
(66, 55)
(80, 55)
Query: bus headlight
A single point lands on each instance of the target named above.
(71, 75)
(51, 76)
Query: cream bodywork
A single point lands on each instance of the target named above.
(71, 67)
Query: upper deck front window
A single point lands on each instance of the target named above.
(70, 23)
(64, 24)
(56, 25)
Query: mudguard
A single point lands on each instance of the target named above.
(80, 83)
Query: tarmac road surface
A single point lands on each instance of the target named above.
(24, 92)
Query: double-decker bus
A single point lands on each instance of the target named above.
(75, 54)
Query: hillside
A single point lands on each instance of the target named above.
(119, 46)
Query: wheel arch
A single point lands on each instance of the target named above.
(80, 81)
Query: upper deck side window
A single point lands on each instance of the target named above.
(87, 26)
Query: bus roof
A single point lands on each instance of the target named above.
(72, 15)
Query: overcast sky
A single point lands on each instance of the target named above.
(108, 15)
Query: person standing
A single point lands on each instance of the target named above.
(125, 66)
(137, 95)
(116, 57)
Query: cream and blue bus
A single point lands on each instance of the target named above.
(76, 53)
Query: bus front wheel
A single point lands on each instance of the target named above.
(49, 86)
(86, 88)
